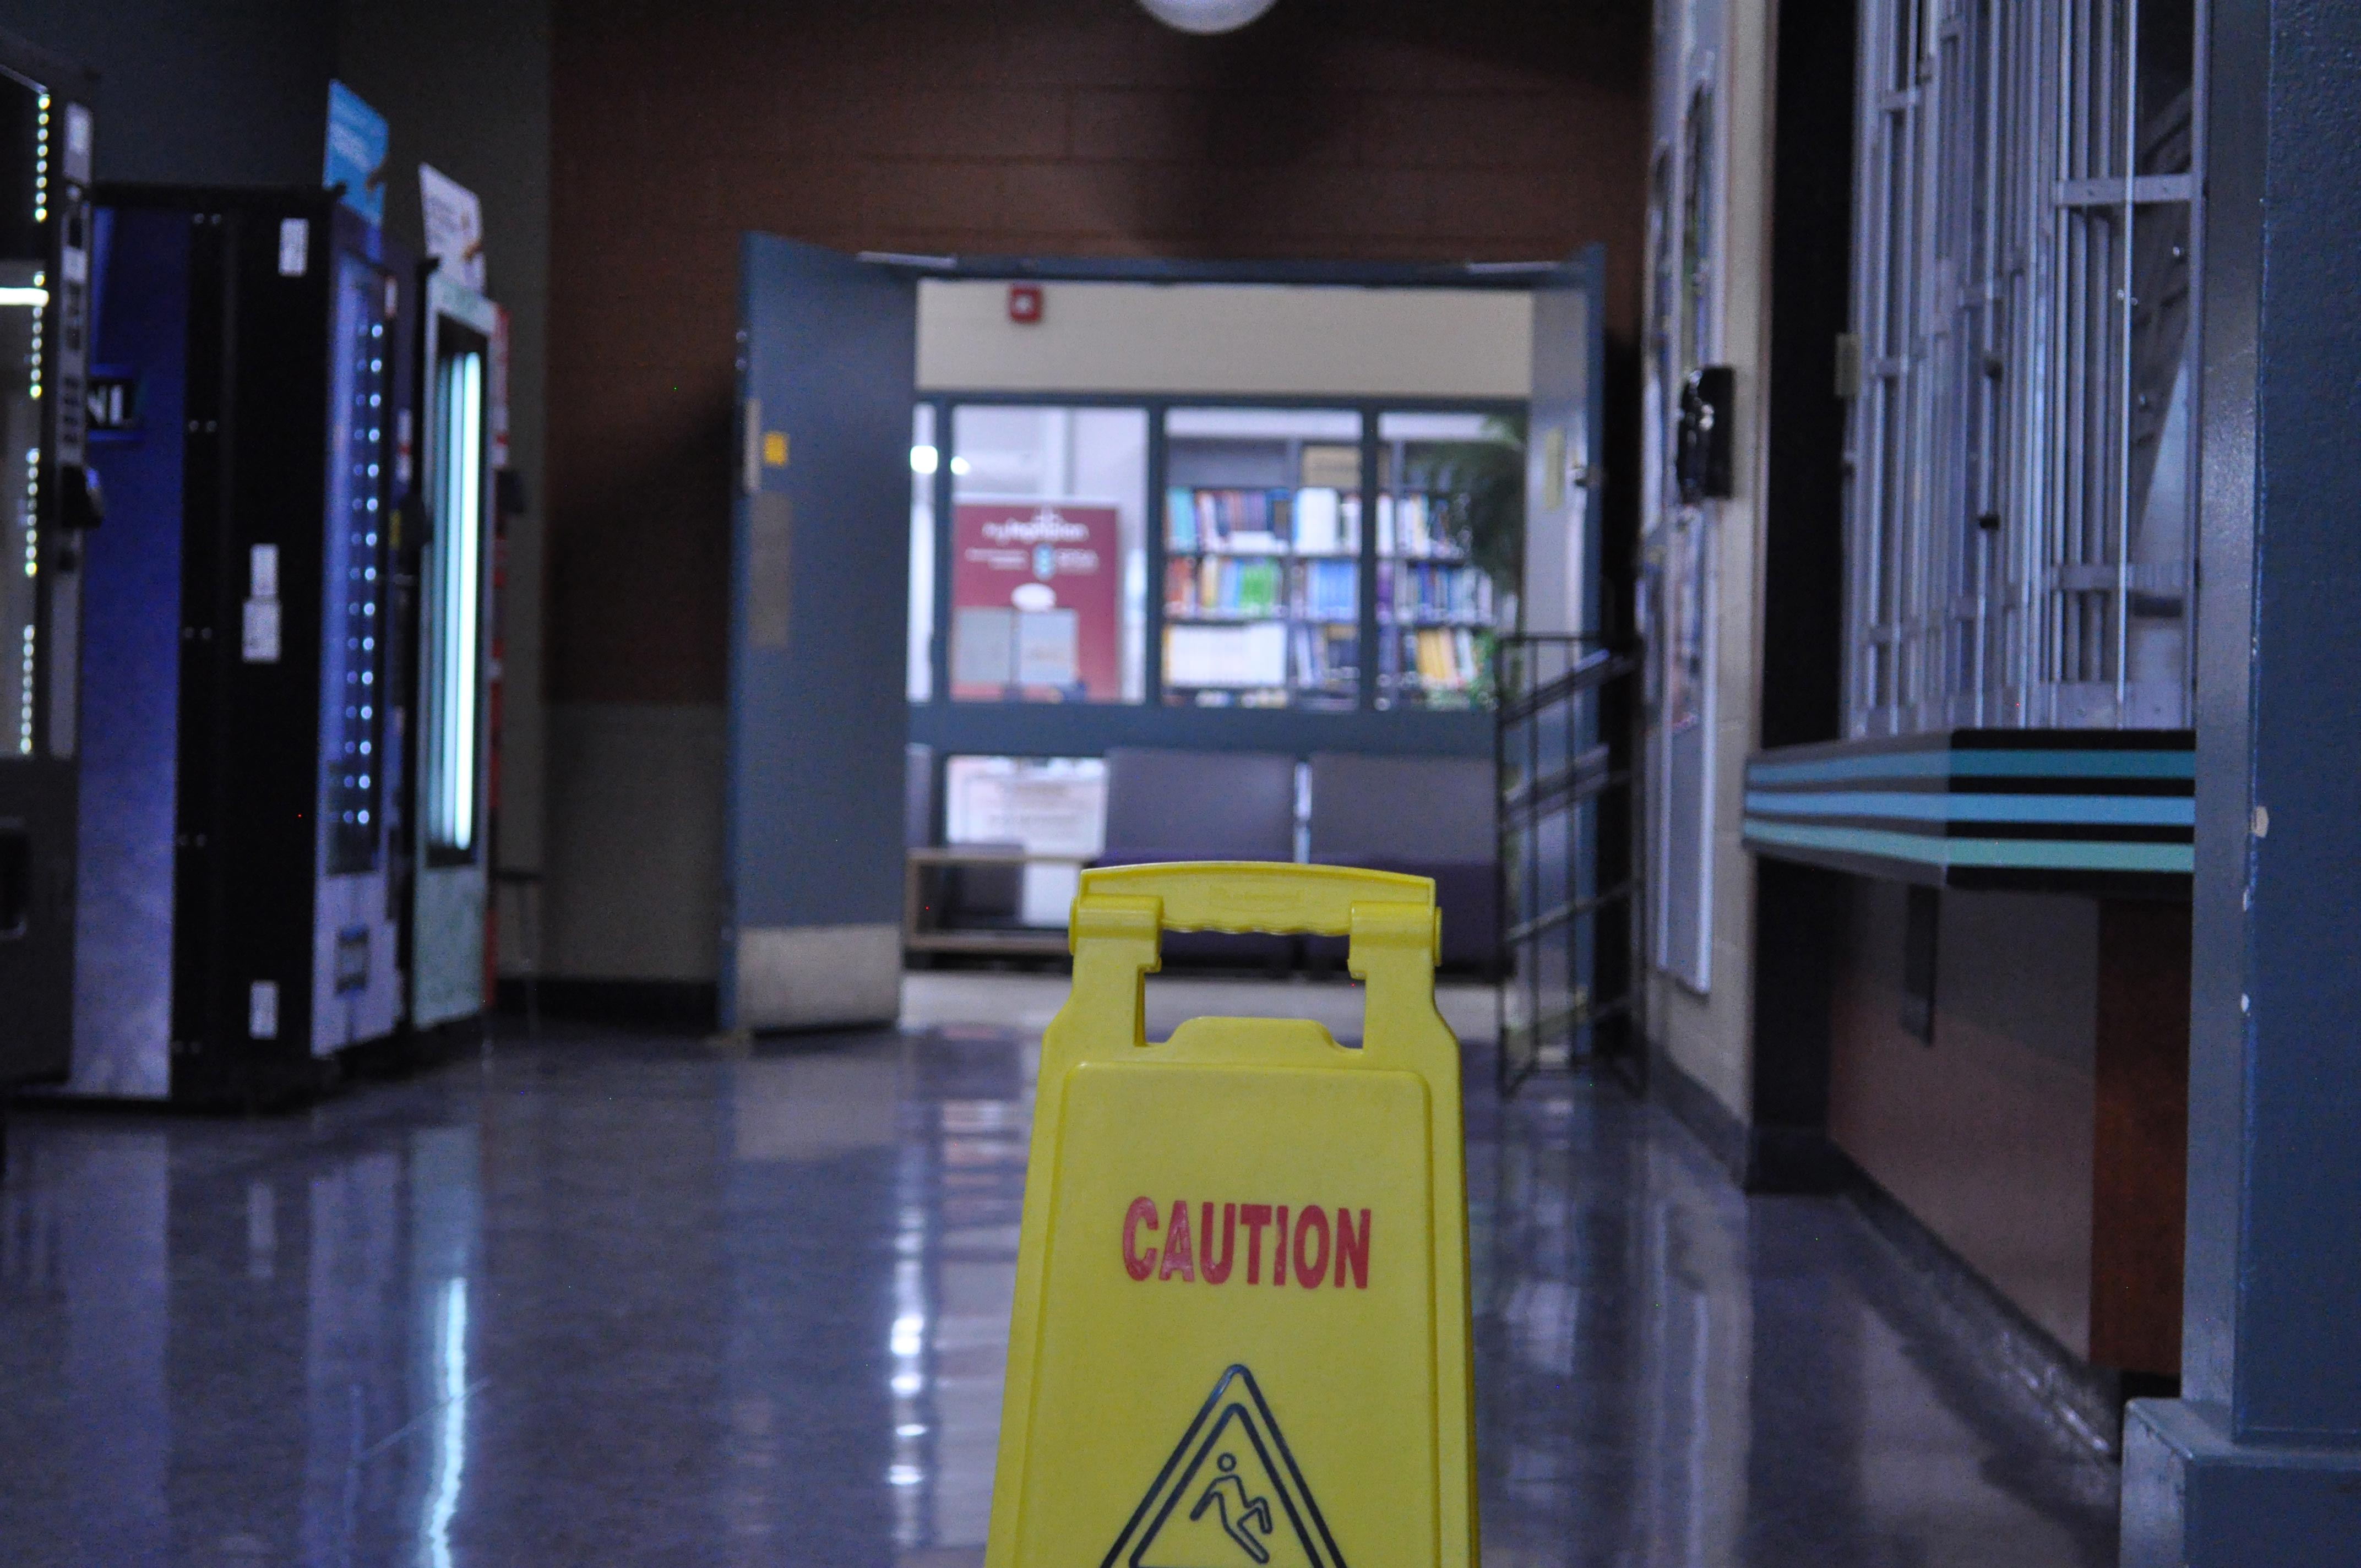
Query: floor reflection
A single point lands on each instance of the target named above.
(620, 1300)
(1671, 1373)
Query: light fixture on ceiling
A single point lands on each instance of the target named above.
(1206, 15)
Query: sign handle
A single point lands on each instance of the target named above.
(1257, 895)
(1396, 934)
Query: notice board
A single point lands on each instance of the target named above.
(1036, 602)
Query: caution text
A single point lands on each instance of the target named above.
(1281, 1245)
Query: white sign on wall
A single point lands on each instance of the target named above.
(454, 226)
(1051, 805)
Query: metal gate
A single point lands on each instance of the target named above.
(1564, 741)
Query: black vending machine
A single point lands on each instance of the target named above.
(47, 131)
(242, 757)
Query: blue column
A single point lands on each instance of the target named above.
(2259, 1461)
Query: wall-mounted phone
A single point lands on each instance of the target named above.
(1701, 454)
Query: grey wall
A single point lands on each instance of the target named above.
(465, 87)
(213, 92)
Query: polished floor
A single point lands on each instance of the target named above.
(603, 1299)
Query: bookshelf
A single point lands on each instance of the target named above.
(1262, 558)
(1254, 572)
(1445, 585)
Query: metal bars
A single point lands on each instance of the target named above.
(1568, 821)
(2019, 547)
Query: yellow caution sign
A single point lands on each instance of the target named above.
(1241, 1332)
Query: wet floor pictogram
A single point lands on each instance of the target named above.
(1231, 1495)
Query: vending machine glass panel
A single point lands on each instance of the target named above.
(453, 592)
(449, 625)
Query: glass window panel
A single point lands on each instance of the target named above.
(1450, 540)
(453, 600)
(1046, 805)
(2167, 80)
(1048, 570)
(1262, 546)
(2157, 544)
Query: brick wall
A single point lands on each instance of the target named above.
(1402, 129)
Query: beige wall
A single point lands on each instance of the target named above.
(1229, 338)
(1729, 43)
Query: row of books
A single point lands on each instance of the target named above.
(1230, 587)
(1265, 654)
(1316, 521)
(1226, 586)
(1214, 584)
(1261, 654)
(1328, 591)
(1210, 520)
(1406, 592)
(1326, 657)
(1426, 527)
(1443, 658)
(1253, 654)
(1245, 697)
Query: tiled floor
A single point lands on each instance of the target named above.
(615, 1299)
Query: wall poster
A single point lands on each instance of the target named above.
(1686, 726)
(1036, 602)
(1683, 231)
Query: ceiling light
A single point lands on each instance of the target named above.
(1206, 15)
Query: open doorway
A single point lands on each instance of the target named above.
(1048, 515)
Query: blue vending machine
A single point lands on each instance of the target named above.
(46, 505)
(240, 907)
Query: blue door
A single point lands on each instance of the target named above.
(1562, 529)
(821, 571)
(1560, 835)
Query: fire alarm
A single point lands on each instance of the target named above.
(1025, 302)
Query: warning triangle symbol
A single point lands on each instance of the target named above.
(1230, 1497)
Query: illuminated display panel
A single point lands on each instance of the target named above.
(352, 655)
(24, 296)
(453, 589)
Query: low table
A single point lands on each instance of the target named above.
(920, 934)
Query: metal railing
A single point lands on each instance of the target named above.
(1565, 736)
(2028, 217)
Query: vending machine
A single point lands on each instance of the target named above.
(446, 580)
(242, 763)
(47, 135)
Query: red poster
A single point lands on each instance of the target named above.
(1036, 602)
